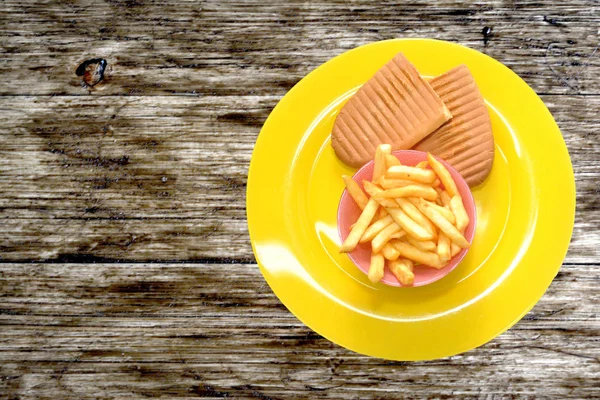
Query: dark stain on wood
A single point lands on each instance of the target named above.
(487, 33)
(247, 119)
(92, 71)
(208, 391)
(552, 21)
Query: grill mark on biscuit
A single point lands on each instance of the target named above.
(363, 124)
(337, 141)
(353, 140)
(407, 70)
(371, 110)
(450, 82)
(459, 97)
(473, 165)
(403, 121)
(464, 158)
(396, 128)
(400, 86)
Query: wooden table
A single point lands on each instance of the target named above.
(126, 268)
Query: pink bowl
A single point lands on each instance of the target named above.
(348, 213)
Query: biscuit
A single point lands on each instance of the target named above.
(395, 106)
(466, 141)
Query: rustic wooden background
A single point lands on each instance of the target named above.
(125, 266)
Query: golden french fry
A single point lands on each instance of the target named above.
(412, 173)
(436, 183)
(391, 160)
(360, 226)
(390, 252)
(398, 235)
(425, 245)
(422, 165)
(381, 213)
(379, 167)
(374, 190)
(444, 211)
(353, 188)
(409, 225)
(376, 269)
(443, 248)
(454, 249)
(383, 237)
(402, 272)
(444, 196)
(458, 209)
(412, 253)
(408, 263)
(375, 228)
(413, 212)
(443, 174)
(442, 223)
(426, 192)
(394, 183)
(352, 226)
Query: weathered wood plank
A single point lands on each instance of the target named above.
(156, 170)
(130, 330)
(164, 178)
(249, 47)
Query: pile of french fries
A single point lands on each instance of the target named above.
(411, 216)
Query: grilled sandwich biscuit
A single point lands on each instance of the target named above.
(466, 141)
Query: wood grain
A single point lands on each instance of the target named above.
(190, 47)
(105, 185)
(144, 329)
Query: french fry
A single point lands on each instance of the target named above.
(425, 245)
(413, 212)
(398, 235)
(402, 272)
(422, 165)
(443, 174)
(391, 160)
(444, 196)
(426, 192)
(383, 237)
(412, 253)
(381, 213)
(379, 166)
(394, 183)
(360, 226)
(374, 190)
(412, 173)
(454, 249)
(390, 252)
(375, 228)
(442, 223)
(445, 212)
(436, 183)
(443, 248)
(376, 269)
(409, 225)
(458, 209)
(353, 188)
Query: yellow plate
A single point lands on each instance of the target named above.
(525, 213)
